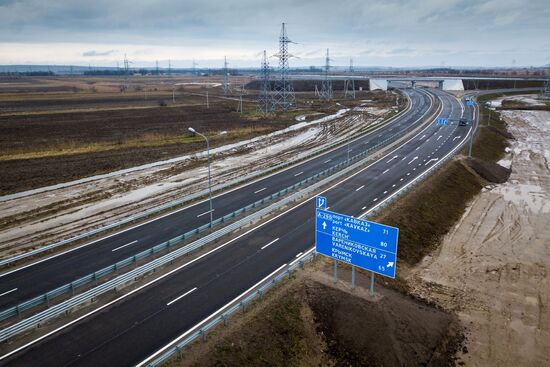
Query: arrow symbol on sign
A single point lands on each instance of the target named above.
(324, 225)
(390, 264)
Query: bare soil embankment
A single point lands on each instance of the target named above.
(491, 269)
(309, 321)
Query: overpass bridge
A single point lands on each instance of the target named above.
(385, 82)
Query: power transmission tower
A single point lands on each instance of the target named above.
(265, 100)
(284, 97)
(169, 67)
(349, 84)
(225, 84)
(326, 86)
(157, 68)
(126, 73)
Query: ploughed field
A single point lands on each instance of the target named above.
(61, 128)
(50, 136)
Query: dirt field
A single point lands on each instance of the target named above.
(59, 129)
(42, 217)
(492, 267)
(309, 321)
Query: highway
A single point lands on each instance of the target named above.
(140, 323)
(30, 281)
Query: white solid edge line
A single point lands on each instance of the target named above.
(269, 244)
(207, 212)
(296, 164)
(128, 244)
(302, 256)
(297, 206)
(410, 183)
(180, 297)
(209, 252)
(209, 317)
(8, 292)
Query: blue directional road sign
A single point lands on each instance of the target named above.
(321, 202)
(469, 102)
(442, 121)
(368, 245)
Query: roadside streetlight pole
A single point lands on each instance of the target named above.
(209, 176)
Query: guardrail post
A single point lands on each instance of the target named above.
(203, 333)
(241, 304)
(224, 319)
(18, 312)
(72, 289)
(47, 299)
(261, 294)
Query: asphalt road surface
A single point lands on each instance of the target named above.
(141, 323)
(28, 282)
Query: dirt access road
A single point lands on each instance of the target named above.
(492, 267)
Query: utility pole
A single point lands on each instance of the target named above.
(240, 107)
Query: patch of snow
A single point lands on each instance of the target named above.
(221, 149)
(506, 163)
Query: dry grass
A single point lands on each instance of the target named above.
(143, 141)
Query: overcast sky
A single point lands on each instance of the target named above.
(375, 33)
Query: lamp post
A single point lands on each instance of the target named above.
(209, 177)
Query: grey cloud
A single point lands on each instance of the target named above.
(93, 53)
(392, 28)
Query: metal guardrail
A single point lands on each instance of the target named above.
(192, 197)
(240, 304)
(112, 284)
(437, 165)
(94, 277)
(223, 317)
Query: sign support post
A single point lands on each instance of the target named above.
(352, 276)
(371, 291)
(335, 271)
